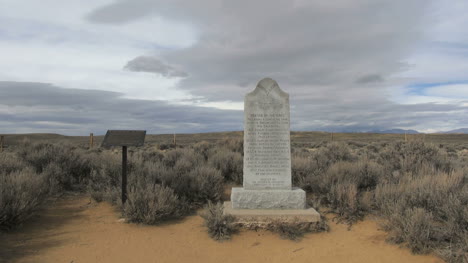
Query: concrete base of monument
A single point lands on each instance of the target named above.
(294, 198)
(263, 217)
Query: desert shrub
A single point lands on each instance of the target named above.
(105, 181)
(413, 226)
(356, 144)
(427, 212)
(208, 185)
(411, 157)
(39, 155)
(220, 226)
(233, 144)
(346, 187)
(166, 146)
(148, 155)
(429, 191)
(416, 186)
(10, 162)
(54, 177)
(343, 198)
(198, 186)
(373, 147)
(75, 163)
(185, 171)
(21, 192)
(229, 163)
(301, 168)
(365, 174)
(308, 168)
(203, 148)
(99, 186)
(182, 170)
(152, 203)
(335, 152)
(454, 253)
(185, 158)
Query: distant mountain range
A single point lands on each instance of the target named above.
(395, 131)
(398, 131)
(461, 130)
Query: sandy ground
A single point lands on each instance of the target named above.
(77, 230)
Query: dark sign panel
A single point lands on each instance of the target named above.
(124, 138)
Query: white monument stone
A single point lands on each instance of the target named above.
(267, 152)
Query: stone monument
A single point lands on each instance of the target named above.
(268, 191)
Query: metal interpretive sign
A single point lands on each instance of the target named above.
(124, 138)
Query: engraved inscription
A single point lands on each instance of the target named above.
(267, 152)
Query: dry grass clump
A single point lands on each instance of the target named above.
(295, 230)
(220, 227)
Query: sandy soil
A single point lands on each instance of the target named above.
(77, 230)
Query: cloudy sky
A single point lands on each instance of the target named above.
(75, 67)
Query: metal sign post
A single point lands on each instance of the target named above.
(124, 138)
(124, 174)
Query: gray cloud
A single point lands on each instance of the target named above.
(305, 45)
(369, 79)
(336, 59)
(40, 107)
(152, 64)
(119, 12)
